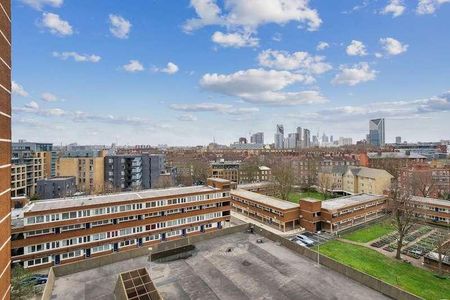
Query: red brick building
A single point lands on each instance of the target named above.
(59, 231)
(5, 147)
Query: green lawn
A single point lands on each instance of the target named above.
(412, 279)
(296, 196)
(370, 232)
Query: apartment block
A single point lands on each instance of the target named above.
(87, 167)
(56, 187)
(134, 171)
(59, 231)
(432, 210)
(5, 147)
(234, 171)
(49, 155)
(341, 213)
(425, 180)
(28, 166)
(280, 214)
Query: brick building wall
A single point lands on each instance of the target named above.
(5, 146)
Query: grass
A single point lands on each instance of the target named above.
(415, 280)
(296, 196)
(370, 232)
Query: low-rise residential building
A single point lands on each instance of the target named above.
(234, 171)
(263, 187)
(341, 213)
(393, 162)
(283, 215)
(56, 187)
(432, 210)
(58, 231)
(427, 181)
(354, 180)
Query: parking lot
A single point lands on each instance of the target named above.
(317, 238)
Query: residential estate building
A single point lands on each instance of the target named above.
(233, 171)
(283, 215)
(362, 180)
(427, 181)
(56, 187)
(341, 213)
(58, 231)
(5, 148)
(28, 166)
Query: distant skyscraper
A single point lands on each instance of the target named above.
(291, 141)
(331, 138)
(398, 139)
(257, 138)
(242, 140)
(324, 138)
(279, 137)
(299, 137)
(376, 132)
(306, 138)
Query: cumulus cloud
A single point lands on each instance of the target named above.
(77, 57)
(426, 7)
(56, 25)
(187, 118)
(392, 46)
(394, 7)
(261, 86)
(19, 90)
(171, 68)
(356, 48)
(250, 14)
(34, 108)
(119, 26)
(302, 61)
(235, 40)
(355, 74)
(133, 66)
(322, 46)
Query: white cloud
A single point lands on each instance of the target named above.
(354, 75)
(392, 46)
(119, 26)
(56, 25)
(17, 89)
(394, 7)
(302, 61)
(34, 108)
(33, 105)
(426, 7)
(206, 106)
(171, 68)
(39, 4)
(235, 40)
(187, 118)
(262, 86)
(77, 57)
(133, 66)
(49, 97)
(322, 46)
(250, 14)
(356, 48)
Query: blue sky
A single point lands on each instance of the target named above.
(185, 72)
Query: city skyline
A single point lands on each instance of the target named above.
(311, 67)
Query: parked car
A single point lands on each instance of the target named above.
(306, 240)
(36, 279)
(297, 241)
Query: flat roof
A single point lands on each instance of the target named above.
(274, 202)
(42, 205)
(249, 271)
(342, 202)
(431, 201)
(255, 185)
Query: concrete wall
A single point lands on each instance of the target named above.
(47, 293)
(363, 278)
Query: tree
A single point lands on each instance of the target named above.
(422, 183)
(325, 183)
(164, 182)
(442, 245)
(22, 283)
(283, 178)
(249, 171)
(403, 213)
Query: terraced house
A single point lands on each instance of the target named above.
(58, 231)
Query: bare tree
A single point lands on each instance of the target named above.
(422, 183)
(442, 245)
(283, 178)
(325, 183)
(249, 170)
(164, 182)
(403, 213)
